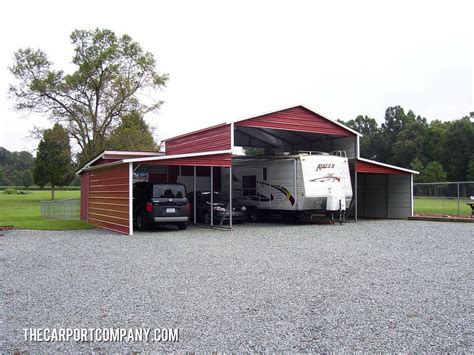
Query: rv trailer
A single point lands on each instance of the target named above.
(306, 186)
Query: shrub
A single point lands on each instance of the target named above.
(10, 191)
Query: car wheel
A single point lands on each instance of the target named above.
(253, 215)
(182, 226)
(140, 222)
(207, 218)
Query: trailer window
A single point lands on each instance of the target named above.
(264, 174)
(249, 185)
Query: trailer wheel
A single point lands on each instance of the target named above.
(253, 214)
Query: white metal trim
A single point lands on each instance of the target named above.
(115, 152)
(177, 156)
(388, 165)
(130, 199)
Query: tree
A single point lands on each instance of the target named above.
(110, 72)
(458, 148)
(26, 178)
(470, 169)
(13, 164)
(410, 142)
(395, 121)
(254, 151)
(53, 159)
(370, 142)
(132, 134)
(417, 165)
(434, 172)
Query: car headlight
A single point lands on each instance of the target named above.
(244, 208)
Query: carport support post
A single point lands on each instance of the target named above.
(194, 188)
(212, 196)
(230, 197)
(355, 194)
(458, 197)
(130, 199)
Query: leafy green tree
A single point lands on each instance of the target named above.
(132, 133)
(458, 148)
(470, 169)
(110, 72)
(434, 172)
(254, 151)
(417, 165)
(434, 144)
(53, 159)
(27, 178)
(370, 142)
(395, 121)
(410, 142)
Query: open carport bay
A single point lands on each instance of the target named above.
(375, 285)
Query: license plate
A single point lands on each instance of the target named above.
(171, 210)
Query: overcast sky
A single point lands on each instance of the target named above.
(230, 60)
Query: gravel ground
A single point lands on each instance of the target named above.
(371, 286)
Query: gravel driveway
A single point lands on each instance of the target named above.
(374, 285)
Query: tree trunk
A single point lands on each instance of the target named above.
(52, 192)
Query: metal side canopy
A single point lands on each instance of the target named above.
(107, 194)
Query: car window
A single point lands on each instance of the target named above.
(168, 191)
(218, 197)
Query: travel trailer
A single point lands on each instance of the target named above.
(306, 186)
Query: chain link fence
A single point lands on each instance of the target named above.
(444, 198)
(61, 209)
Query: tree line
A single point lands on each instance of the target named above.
(441, 151)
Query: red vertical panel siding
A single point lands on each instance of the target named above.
(369, 168)
(84, 195)
(206, 140)
(296, 119)
(109, 199)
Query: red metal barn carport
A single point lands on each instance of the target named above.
(381, 190)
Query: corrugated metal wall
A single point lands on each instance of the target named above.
(109, 198)
(206, 140)
(375, 195)
(384, 195)
(296, 119)
(399, 196)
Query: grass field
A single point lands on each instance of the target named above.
(442, 206)
(23, 211)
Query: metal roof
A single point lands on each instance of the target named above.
(267, 113)
(394, 167)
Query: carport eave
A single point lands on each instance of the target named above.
(177, 156)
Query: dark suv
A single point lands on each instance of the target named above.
(160, 203)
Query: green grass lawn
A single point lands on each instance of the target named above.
(442, 206)
(23, 211)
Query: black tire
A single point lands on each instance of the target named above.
(253, 215)
(182, 226)
(140, 222)
(206, 218)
